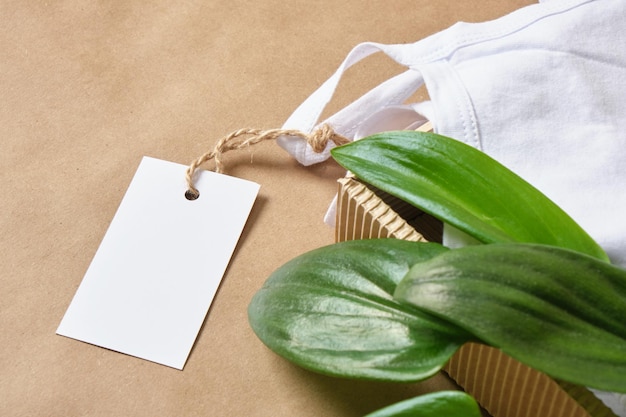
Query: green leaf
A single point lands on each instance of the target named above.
(436, 404)
(331, 310)
(463, 187)
(556, 310)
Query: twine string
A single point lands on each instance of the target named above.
(242, 138)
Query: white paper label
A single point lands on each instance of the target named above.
(154, 276)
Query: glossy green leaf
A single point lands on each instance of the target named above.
(463, 187)
(331, 310)
(436, 404)
(556, 310)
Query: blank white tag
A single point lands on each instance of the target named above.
(154, 276)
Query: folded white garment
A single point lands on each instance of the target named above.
(541, 90)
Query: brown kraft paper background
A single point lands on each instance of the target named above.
(86, 90)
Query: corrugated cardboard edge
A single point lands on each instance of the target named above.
(363, 215)
(502, 385)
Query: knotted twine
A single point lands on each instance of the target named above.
(242, 138)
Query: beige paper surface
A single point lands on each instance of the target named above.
(87, 89)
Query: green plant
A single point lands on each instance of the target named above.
(463, 187)
(539, 288)
(437, 404)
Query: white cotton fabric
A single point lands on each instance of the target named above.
(541, 90)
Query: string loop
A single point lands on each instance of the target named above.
(242, 138)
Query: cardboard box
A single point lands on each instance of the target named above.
(502, 385)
